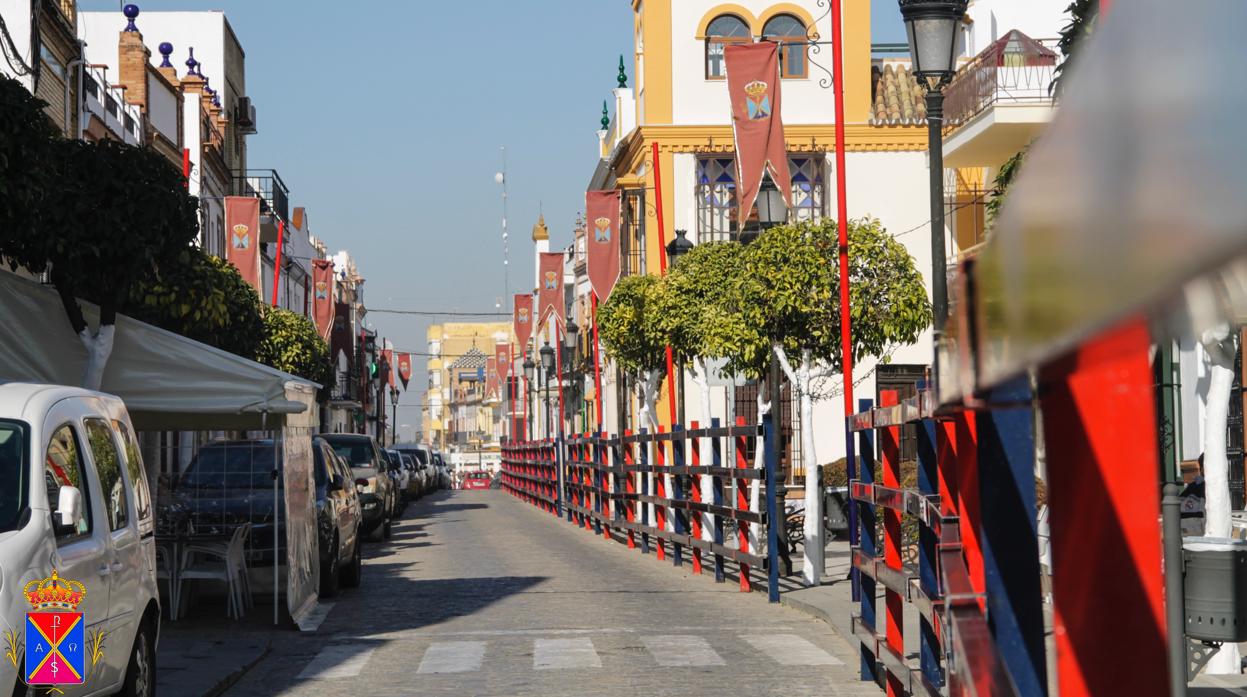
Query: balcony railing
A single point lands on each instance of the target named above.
(1014, 70)
(268, 186)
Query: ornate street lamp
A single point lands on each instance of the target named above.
(678, 247)
(529, 366)
(547, 367)
(932, 29)
(771, 208)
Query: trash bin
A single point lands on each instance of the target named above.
(836, 510)
(1215, 588)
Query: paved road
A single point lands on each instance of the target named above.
(479, 594)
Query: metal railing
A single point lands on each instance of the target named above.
(998, 76)
(674, 494)
(267, 185)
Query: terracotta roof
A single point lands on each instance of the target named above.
(899, 100)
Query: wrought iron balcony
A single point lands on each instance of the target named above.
(267, 185)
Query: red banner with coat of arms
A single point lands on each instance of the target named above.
(522, 319)
(550, 299)
(404, 368)
(322, 296)
(340, 339)
(753, 84)
(387, 361)
(502, 358)
(602, 210)
(242, 237)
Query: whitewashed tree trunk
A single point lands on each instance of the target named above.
(704, 447)
(649, 401)
(1219, 345)
(759, 463)
(812, 529)
(99, 347)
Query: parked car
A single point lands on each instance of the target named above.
(444, 480)
(368, 465)
(477, 480)
(337, 520)
(230, 482)
(74, 501)
(421, 453)
(401, 478)
(419, 482)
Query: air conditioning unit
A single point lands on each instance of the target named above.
(244, 115)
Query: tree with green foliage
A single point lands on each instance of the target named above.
(1083, 15)
(292, 344)
(205, 299)
(629, 329)
(26, 154)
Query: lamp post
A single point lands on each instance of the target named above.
(547, 367)
(528, 392)
(570, 335)
(677, 248)
(394, 411)
(932, 29)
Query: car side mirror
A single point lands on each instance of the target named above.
(69, 507)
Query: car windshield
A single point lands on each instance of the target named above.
(357, 452)
(422, 456)
(230, 466)
(14, 475)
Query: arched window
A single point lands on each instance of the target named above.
(786, 28)
(724, 30)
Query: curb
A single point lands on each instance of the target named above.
(812, 610)
(228, 681)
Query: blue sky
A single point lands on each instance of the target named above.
(386, 121)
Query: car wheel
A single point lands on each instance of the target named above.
(387, 530)
(141, 673)
(329, 572)
(354, 571)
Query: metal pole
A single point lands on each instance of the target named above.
(939, 264)
(773, 520)
(662, 268)
(1171, 516)
(528, 408)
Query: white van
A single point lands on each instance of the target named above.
(74, 498)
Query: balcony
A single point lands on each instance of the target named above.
(274, 196)
(999, 102)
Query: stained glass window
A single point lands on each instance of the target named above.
(716, 195)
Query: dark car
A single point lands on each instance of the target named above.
(368, 465)
(399, 477)
(229, 483)
(337, 520)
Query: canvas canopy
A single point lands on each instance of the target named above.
(167, 381)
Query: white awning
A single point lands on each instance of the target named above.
(167, 381)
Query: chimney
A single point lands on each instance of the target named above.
(132, 58)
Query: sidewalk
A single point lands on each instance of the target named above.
(197, 661)
(832, 602)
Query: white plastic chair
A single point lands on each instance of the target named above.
(167, 570)
(222, 562)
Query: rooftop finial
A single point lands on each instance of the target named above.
(606, 119)
(623, 74)
(166, 50)
(132, 13)
(192, 65)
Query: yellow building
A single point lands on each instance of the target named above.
(680, 103)
(448, 343)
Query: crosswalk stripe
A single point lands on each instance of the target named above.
(340, 661)
(791, 650)
(682, 650)
(453, 657)
(560, 654)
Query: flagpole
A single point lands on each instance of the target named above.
(281, 233)
(511, 382)
(597, 363)
(662, 267)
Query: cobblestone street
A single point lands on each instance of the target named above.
(479, 594)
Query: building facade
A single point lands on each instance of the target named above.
(445, 409)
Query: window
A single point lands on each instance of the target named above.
(716, 194)
(790, 32)
(134, 466)
(108, 467)
(632, 239)
(63, 466)
(14, 481)
(723, 30)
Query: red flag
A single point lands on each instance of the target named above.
(522, 319)
(491, 376)
(242, 230)
(404, 368)
(753, 84)
(550, 299)
(602, 209)
(340, 338)
(387, 361)
(502, 358)
(322, 295)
